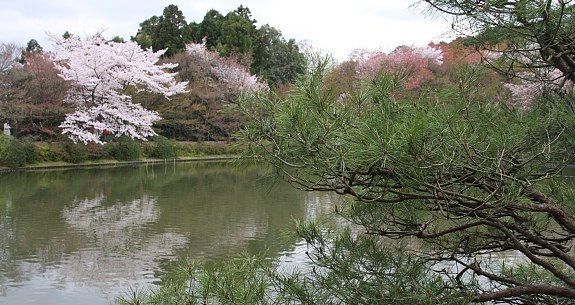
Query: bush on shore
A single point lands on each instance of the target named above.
(16, 152)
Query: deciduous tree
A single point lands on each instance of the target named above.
(227, 70)
(412, 65)
(102, 74)
(9, 53)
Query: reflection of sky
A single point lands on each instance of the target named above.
(52, 288)
(318, 203)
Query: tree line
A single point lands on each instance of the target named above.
(34, 95)
(267, 53)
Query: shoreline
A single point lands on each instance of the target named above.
(113, 163)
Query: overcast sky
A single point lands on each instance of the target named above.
(336, 26)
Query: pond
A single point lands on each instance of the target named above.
(86, 236)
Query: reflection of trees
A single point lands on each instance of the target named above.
(7, 270)
(117, 245)
(89, 215)
(319, 203)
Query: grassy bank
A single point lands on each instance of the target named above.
(17, 154)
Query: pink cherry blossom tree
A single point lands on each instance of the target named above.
(530, 86)
(415, 63)
(102, 74)
(227, 70)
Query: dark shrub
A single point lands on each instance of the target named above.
(75, 153)
(97, 151)
(31, 151)
(124, 149)
(162, 148)
(53, 152)
(12, 152)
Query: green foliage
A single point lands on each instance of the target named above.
(531, 35)
(210, 28)
(201, 149)
(451, 168)
(362, 269)
(33, 47)
(238, 281)
(234, 35)
(347, 269)
(50, 152)
(97, 151)
(31, 152)
(237, 35)
(12, 152)
(75, 152)
(164, 32)
(162, 148)
(276, 60)
(124, 149)
(16, 153)
(121, 149)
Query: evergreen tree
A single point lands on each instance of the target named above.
(33, 47)
(164, 32)
(237, 33)
(274, 59)
(211, 28)
(529, 35)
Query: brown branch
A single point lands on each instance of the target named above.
(435, 6)
(525, 290)
(422, 235)
(532, 257)
(493, 277)
(550, 206)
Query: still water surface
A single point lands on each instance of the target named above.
(85, 236)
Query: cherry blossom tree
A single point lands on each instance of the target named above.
(413, 63)
(8, 56)
(102, 75)
(456, 52)
(532, 85)
(227, 70)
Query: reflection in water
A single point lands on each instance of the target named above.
(89, 214)
(84, 236)
(115, 247)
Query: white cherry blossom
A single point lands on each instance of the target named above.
(102, 75)
(227, 70)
